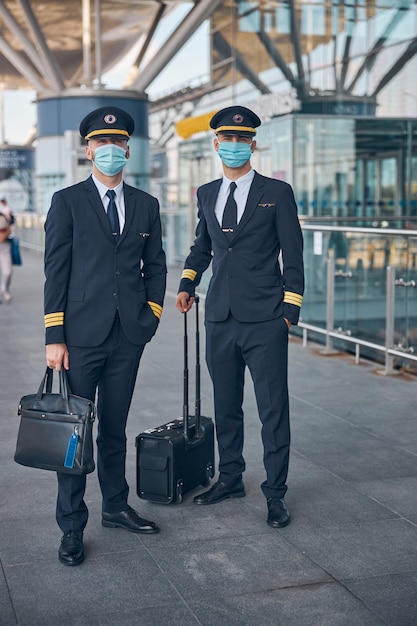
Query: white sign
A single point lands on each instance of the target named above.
(273, 104)
(317, 243)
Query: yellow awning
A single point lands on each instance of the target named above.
(191, 125)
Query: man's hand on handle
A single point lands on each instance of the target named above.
(57, 355)
(184, 302)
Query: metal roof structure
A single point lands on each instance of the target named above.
(54, 46)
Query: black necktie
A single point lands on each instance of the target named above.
(229, 220)
(112, 214)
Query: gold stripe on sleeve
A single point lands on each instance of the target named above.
(189, 273)
(54, 319)
(293, 298)
(156, 309)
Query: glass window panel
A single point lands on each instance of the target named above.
(335, 19)
(283, 19)
(313, 20)
(249, 17)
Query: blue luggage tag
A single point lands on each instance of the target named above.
(71, 450)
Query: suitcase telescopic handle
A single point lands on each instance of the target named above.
(185, 379)
(197, 370)
(197, 375)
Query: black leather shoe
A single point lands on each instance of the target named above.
(129, 520)
(71, 550)
(221, 491)
(278, 514)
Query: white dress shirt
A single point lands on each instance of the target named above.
(241, 195)
(119, 199)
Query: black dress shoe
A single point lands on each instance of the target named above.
(129, 520)
(71, 550)
(278, 514)
(221, 491)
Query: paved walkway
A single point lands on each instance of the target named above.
(349, 557)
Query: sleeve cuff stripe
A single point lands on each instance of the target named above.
(156, 309)
(189, 273)
(293, 298)
(54, 319)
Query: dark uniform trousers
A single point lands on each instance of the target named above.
(111, 368)
(262, 347)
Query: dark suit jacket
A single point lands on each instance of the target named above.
(89, 277)
(247, 279)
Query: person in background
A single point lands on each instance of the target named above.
(245, 222)
(105, 283)
(6, 267)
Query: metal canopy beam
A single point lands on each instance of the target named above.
(295, 37)
(14, 28)
(162, 57)
(51, 71)
(21, 65)
(345, 62)
(398, 65)
(227, 52)
(276, 56)
(149, 36)
(378, 46)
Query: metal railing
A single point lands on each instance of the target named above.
(388, 349)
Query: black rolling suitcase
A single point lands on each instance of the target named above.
(179, 455)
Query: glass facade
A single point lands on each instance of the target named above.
(355, 199)
(337, 56)
(335, 86)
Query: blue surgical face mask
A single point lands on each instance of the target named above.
(234, 154)
(110, 159)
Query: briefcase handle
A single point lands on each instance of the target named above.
(46, 385)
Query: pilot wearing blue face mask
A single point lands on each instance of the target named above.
(246, 221)
(104, 290)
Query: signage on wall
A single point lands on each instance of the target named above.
(16, 170)
(11, 158)
(274, 104)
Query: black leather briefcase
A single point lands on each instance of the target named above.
(55, 431)
(179, 455)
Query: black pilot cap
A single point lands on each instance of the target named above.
(107, 122)
(235, 120)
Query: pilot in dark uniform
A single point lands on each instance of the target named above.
(105, 284)
(246, 221)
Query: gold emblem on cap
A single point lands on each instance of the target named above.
(110, 118)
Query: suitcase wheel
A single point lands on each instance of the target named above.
(209, 475)
(178, 498)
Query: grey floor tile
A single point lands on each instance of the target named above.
(348, 451)
(102, 585)
(226, 567)
(326, 604)
(361, 550)
(397, 494)
(337, 504)
(7, 614)
(393, 598)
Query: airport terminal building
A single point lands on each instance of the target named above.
(335, 85)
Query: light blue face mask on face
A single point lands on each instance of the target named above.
(110, 159)
(234, 154)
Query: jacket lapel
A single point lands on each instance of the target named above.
(129, 210)
(210, 206)
(94, 199)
